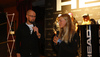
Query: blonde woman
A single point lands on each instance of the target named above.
(67, 37)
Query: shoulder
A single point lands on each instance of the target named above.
(76, 37)
(22, 25)
(76, 34)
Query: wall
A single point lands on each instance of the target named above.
(77, 7)
(3, 35)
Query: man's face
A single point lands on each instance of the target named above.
(86, 18)
(31, 17)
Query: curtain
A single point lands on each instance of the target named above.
(22, 7)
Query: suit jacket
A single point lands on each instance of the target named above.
(25, 42)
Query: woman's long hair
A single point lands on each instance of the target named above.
(67, 32)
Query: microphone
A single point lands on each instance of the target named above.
(57, 33)
(34, 23)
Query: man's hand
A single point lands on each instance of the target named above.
(18, 55)
(37, 31)
(39, 35)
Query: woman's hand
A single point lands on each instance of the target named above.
(55, 39)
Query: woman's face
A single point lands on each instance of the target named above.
(62, 22)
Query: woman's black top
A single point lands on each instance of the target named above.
(69, 49)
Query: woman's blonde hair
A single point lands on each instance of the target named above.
(67, 32)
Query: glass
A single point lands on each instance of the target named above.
(31, 16)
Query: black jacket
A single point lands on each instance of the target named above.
(70, 49)
(25, 42)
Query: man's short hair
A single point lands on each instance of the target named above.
(85, 15)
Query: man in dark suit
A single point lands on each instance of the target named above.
(27, 36)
